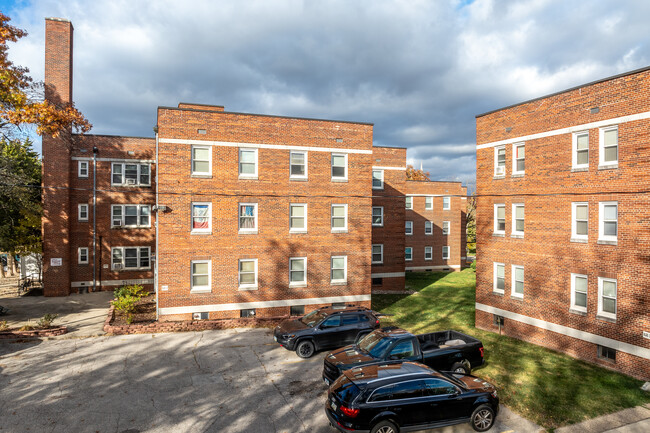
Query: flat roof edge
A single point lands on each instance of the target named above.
(113, 136)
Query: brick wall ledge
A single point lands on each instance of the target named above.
(36, 333)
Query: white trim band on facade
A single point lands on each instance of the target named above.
(641, 352)
(263, 304)
(431, 195)
(110, 283)
(376, 167)
(264, 146)
(420, 268)
(86, 158)
(388, 275)
(570, 129)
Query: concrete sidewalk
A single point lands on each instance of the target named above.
(632, 420)
(84, 315)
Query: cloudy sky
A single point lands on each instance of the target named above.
(419, 70)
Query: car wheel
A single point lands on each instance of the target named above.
(460, 367)
(482, 418)
(384, 427)
(305, 349)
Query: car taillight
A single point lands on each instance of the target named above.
(377, 322)
(352, 413)
(481, 349)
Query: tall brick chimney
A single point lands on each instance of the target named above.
(57, 209)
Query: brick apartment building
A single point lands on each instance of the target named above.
(564, 222)
(238, 214)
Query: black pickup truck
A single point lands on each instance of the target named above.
(443, 350)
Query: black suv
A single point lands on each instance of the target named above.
(409, 397)
(325, 328)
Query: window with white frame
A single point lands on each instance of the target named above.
(82, 256)
(428, 227)
(248, 273)
(608, 221)
(499, 270)
(201, 275)
(445, 228)
(339, 269)
(298, 271)
(83, 168)
(499, 219)
(131, 174)
(83, 212)
(608, 148)
(607, 288)
(408, 254)
(445, 252)
(579, 292)
(579, 220)
(517, 281)
(339, 166)
(378, 253)
(298, 165)
(500, 161)
(247, 162)
(202, 160)
(339, 217)
(518, 158)
(377, 179)
(446, 203)
(298, 217)
(409, 202)
(378, 216)
(130, 258)
(428, 253)
(518, 219)
(247, 217)
(130, 215)
(580, 156)
(428, 202)
(202, 217)
(408, 227)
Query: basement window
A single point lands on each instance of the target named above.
(606, 353)
(377, 281)
(498, 320)
(250, 312)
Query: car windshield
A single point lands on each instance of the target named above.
(375, 344)
(313, 318)
(345, 390)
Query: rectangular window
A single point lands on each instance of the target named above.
(606, 353)
(247, 217)
(131, 174)
(428, 227)
(498, 320)
(408, 227)
(130, 215)
(202, 160)
(298, 165)
(130, 258)
(428, 253)
(408, 254)
(579, 220)
(201, 275)
(83, 212)
(247, 163)
(608, 149)
(339, 217)
(428, 202)
(248, 273)
(518, 219)
(82, 255)
(517, 281)
(201, 217)
(378, 216)
(579, 292)
(339, 269)
(499, 219)
(83, 168)
(339, 166)
(409, 202)
(247, 313)
(445, 228)
(378, 253)
(297, 310)
(500, 161)
(499, 278)
(298, 271)
(608, 221)
(378, 179)
(607, 288)
(298, 218)
(377, 281)
(518, 158)
(580, 158)
(445, 252)
(446, 203)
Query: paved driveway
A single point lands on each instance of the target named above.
(213, 381)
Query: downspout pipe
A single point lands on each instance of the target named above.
(95, 151)
(155, 272)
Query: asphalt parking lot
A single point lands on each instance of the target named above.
(213, 381)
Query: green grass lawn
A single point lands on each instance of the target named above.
(547, 387)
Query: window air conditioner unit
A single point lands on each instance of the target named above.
(501, 171)
(117, 266)
(130, 181)
(117, 223)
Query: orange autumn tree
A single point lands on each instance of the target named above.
(414, 174)
(22, 100)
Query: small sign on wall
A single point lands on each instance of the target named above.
(646, 334)
(56, 262)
